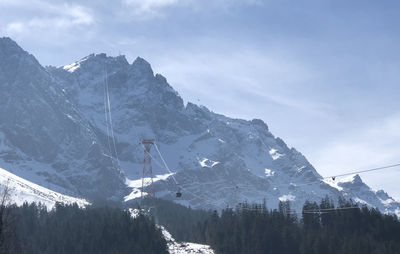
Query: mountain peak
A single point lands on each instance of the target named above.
(8, 43)
(14, 59)
(351, 181)
(382, 195)
(140, 61)
(97, 61)
(62, 135)
(142, 66)
(357, 179)
(260, 123)
(354, 179)
(9, 48)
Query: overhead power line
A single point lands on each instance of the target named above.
(362, 171)
(207, 200)
(333, 177)
(320, 180)
(306, 211)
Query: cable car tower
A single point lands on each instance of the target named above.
(147, 177)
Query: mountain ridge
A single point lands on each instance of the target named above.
(217, 160)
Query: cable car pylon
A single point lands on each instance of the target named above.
(147, 177)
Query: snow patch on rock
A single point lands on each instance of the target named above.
(269, 172)
(136, 185)
(204, 162)
(287, 197)
(275, 154)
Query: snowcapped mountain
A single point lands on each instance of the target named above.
(62, 137)
(354, 188)
(21, 190)
(43, 137)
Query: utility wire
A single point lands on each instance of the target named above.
(109, 124)
(307, 211)
(333, 176)
(208, 201)
(106, 116)
(110, 119)
(313, 182)
(165, 164)
(363, 171)
(303, 184)
(331, 209)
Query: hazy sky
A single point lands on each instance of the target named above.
(324, 75)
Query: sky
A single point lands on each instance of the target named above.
(324, 75)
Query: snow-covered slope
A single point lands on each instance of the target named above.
(175, 247)
(212, 154)
(218, 161)
(352, 187)
(21, 191)
(43, 136)
(62, 138)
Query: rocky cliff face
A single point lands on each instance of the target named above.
(44, 137)
(63, 137)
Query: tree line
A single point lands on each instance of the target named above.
(320, 230)
(249, 228)
(70, 229)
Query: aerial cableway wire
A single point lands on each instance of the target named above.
(328, 177)
(248, 187)
(165, 164)
(333, 177)
(110, 132)
(245, 187)
(208, 201)
(364, 171)
(109, 124)
(307, 211)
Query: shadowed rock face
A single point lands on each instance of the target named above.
(42, 132)
(53, 131)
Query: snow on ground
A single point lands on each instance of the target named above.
(134, 212)
(204, 162)
(137, 184)
(275, 154)
(387, 202)
(288, 197)
(22, 191)
(72, 67)
(269, 172)
(333, 184)
(363, 202)
(189, 248)
(175, 247)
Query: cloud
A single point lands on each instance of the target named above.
(236, 73)
(148, 5)
(149, 9)
(374, 145)
(51, 17)
(11, 3)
